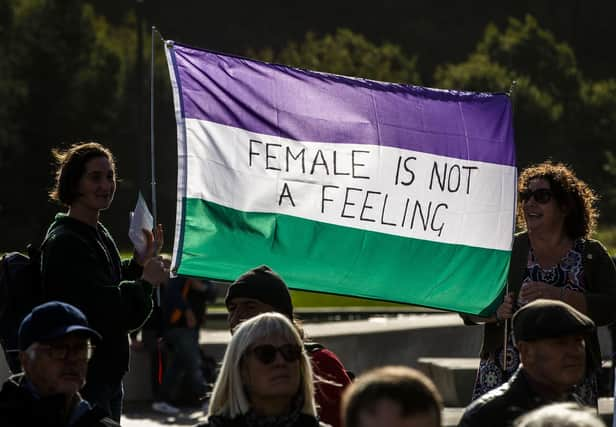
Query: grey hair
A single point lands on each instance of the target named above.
(229, 397)
(31, 351)
(560, 415)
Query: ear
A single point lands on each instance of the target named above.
(526, 351)
(24, 359)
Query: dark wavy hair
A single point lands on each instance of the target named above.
(71, 165)
(569, 191)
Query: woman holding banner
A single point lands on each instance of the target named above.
(81, 265)
(553, 258)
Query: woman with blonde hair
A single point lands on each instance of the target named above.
(265, 379)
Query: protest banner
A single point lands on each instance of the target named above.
(342, 185)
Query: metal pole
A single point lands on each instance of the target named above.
(152, 156)
(506, 333)
(142, 144)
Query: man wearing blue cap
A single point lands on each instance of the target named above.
(54, 348)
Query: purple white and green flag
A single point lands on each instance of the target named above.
(342, 185)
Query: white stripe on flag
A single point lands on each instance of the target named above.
(376, 188)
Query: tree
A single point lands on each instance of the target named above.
(547, 82)
(346, 53)
(558, 114)
(63, 84)
(600, 116)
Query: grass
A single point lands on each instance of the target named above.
(607, 236)
(313, 299)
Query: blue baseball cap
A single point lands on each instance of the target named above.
(52, 320)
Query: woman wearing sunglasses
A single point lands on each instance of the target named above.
(265, 379)
(553, 258)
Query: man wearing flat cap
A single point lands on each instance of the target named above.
(551, 338)
(54, 349)
(262, 290)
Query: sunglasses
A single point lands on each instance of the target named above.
(541, 195)
(61, 351)
(266, 353)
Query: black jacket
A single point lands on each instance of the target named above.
(304, 420)
(81, 265)
(501, 406)
(19, 408)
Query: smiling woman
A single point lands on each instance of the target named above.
(553, 259)
(81, 265)
(265, 379)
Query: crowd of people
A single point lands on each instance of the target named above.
(540, 357)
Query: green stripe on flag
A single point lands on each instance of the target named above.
(222, 243)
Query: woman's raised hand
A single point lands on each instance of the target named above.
(154, 245)
(156, 271)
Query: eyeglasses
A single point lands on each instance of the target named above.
(541, 195)
(61, 351)
(266, 353)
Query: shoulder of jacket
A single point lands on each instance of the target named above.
(491, 401)
(594, 246)
(323, 355)
(521, 238)
(312, 347)
(64, 232)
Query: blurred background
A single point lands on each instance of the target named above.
(74, 70)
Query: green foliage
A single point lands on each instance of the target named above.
(544, 70)
(607, 236)
(63, 81)
(558, 114)
(69, 75)
(346, 53)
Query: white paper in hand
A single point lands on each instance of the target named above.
(141, 219)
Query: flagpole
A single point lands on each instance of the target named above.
(514, 83)
(152, 156)
(152, 152)
(510, 93)
(506, 333)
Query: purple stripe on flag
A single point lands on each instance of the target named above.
(310, 106)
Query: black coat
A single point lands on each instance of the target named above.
(81, 265)
(304, 420)
(19, 408)
(501, 406)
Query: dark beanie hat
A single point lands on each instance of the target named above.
(546, 318)
(265, 285)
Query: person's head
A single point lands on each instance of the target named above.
(550, 193)
(395, 396)
(85, 173)
(54, 343)
(257, 291)
(551, 338)
(560, 415)
(265, 368)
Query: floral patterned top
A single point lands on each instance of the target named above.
(567, 274)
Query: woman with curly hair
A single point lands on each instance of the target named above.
(265, 379)
(554, 258)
